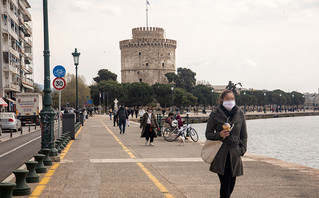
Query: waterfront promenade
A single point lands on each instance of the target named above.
(103, 163)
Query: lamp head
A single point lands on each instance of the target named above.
(76, 56)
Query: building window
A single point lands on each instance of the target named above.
(169, 54)
(163, 64)
(139, 53)
(140, 79)
(146, 64)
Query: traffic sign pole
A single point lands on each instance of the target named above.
(59, 84)
(59, 114)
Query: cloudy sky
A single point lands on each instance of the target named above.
(264, 44)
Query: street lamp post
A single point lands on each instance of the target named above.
(264, 102)
(314, 103)
(212, 99)
(172, 88)
(293, 103)
(47, 113)
(76, 57)
(244, 102)
(303, 96)
(280, 103)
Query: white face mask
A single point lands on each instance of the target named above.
(229, 104)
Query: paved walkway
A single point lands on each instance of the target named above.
(102, 163)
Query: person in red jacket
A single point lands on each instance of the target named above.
(179, 120)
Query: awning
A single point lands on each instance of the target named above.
(10, 100)
(27, 85)
(3, 103)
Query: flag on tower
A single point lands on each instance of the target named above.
(147, 2)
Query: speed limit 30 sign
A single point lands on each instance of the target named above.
(59, 83)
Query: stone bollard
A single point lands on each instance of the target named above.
(46, 161)
(32, 176)
(63, 142)
(6, 189)
(22, 187)
(60, 144)
(40, 168)
(57, 145)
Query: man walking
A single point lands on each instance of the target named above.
(122, 116)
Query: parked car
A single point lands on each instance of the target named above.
(9, 121)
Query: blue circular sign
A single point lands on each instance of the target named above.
(59, 71)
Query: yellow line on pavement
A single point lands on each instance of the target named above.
(47, 177)
(157, 183)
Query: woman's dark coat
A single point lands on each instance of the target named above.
(235, 143)
(143, 123)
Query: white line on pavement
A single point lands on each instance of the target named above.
(145, 160)
(22, 145)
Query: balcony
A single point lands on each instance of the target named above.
(11, 68)
(7, 30)
(12, 86)
(28, 42)
(6, 10)
(14, 52)
(27, 15)
(28, 28)
(27, 69)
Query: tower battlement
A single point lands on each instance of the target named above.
(147, 57)
(148, 32)
(147, 41)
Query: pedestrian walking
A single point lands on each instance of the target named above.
(115, 119)
(227, 162)
(85, 114)
(122, 116)
(141, 112)
(149, 126)
(110, 113)
(136, 112)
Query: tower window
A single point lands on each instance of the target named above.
(163, 64)
(169, 54)
(139, 53)
(146, 64)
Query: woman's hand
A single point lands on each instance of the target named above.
(224, 133)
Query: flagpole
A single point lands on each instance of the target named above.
(146, 14)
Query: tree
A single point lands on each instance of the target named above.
(185, 78)
(106, 75)
(138, 94)
(163, 94)
(111, 90)
(204, 94)
(183, 98)
(68, 94)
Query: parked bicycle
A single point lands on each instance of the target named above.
(172, 133)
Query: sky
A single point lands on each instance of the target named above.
(264, 44)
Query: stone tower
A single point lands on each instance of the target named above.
(147, 57)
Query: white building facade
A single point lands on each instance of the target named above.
(16, 65)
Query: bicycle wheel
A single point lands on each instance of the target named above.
(170, 134)
(193, 134)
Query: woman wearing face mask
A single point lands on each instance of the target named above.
(227, 162)
(149, 125)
